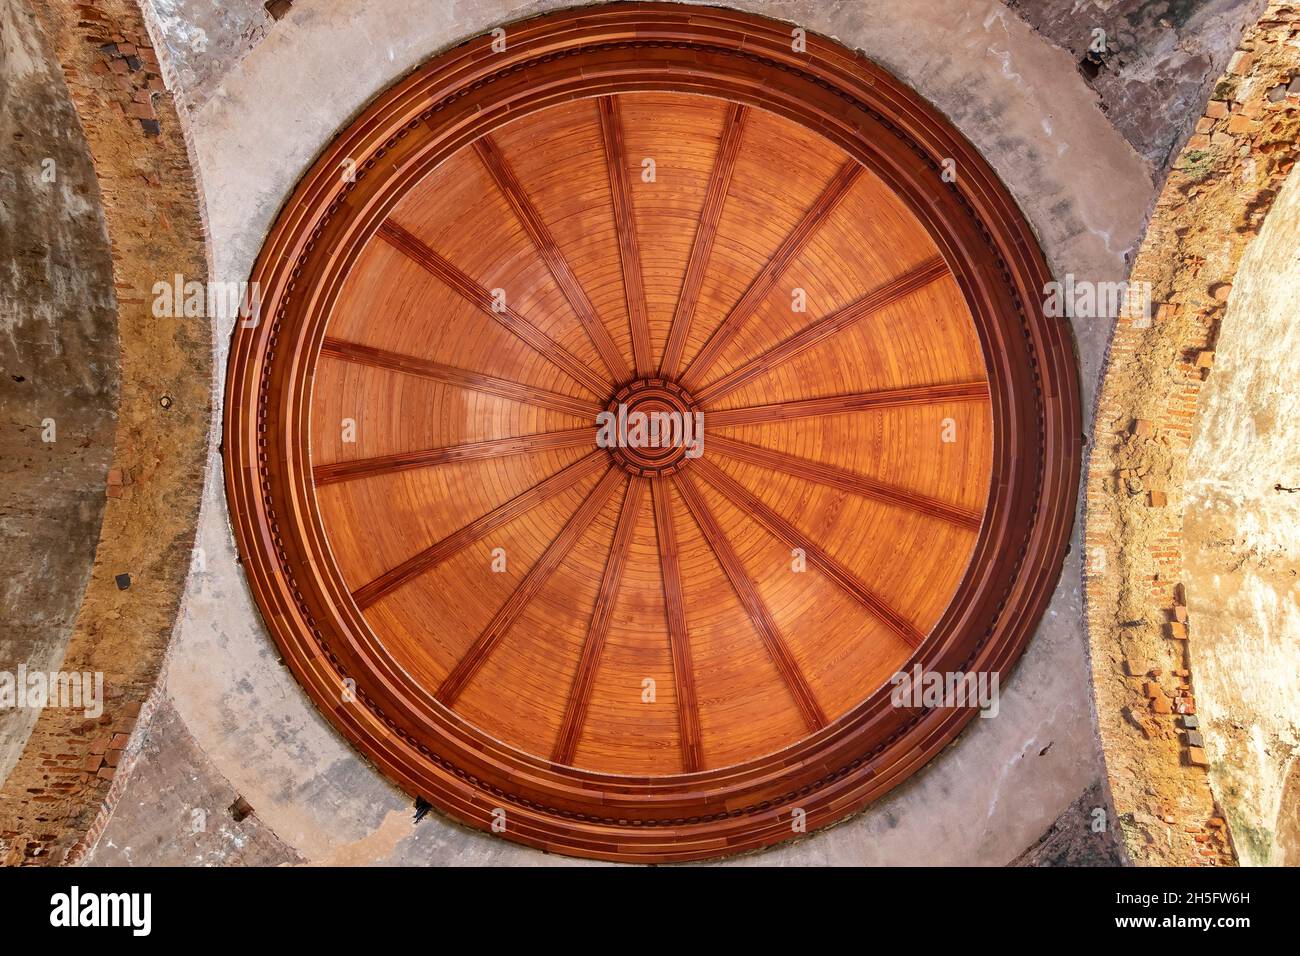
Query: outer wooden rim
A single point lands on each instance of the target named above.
(445, 105)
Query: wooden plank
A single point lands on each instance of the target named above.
(754, 605)
(893, 291)
(771, 272)
(532, 583)
(458, 541)
(470, 451)
(461, 378)
(688, 707)
(757, 509)
(843, 480)
(575, 712)
(715, 197)
(540, 234)
(629, 249)
(420, 253)
(838, 404)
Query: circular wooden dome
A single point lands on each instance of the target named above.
(628, 406)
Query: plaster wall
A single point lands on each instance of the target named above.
(1242, 550)
(59, 367)
(997, 789)
(1157, 59)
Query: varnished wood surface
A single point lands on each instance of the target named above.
(825, 227)
(629, 246)
(706, 231)
(598, 646)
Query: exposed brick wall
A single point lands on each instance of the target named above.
(59, 788)
(1220, 189)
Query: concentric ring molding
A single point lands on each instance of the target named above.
(445, 106)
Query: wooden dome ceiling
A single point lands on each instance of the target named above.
(622, 649)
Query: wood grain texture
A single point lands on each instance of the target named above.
(724, 166)
(575, 713)
(648, 676)
(844, 480)
(679, 638)
(490, 384)
(761, 617)
(540, 234)
(824, 328)
(519, 326)
(839, 404)
(629, 248)
(771, 273)
(532, 583)
(816, 555)
(435, 554)
(471, 451)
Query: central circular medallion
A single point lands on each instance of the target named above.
(652, 427)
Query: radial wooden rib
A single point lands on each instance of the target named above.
(464, 286)
(893, 291)
(715, 197)
(575, 711)
(513, 191)
(844, 480)
(755, 606)
(688, 707)
(470, 451)
(436, 553)
(757, 509)
(461, 378)
(790, 247)
(629, 250)
(528, 588)
(838, 404)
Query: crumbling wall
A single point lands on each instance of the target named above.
(58, 363)
(201, 42)
(66, 774)
(1146, 677)
(1152, 62)
(1241, 541)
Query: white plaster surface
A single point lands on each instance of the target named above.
(1242, 549)
(1017, 98)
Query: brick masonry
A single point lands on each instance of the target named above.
(69, 771)
(1218, 193)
